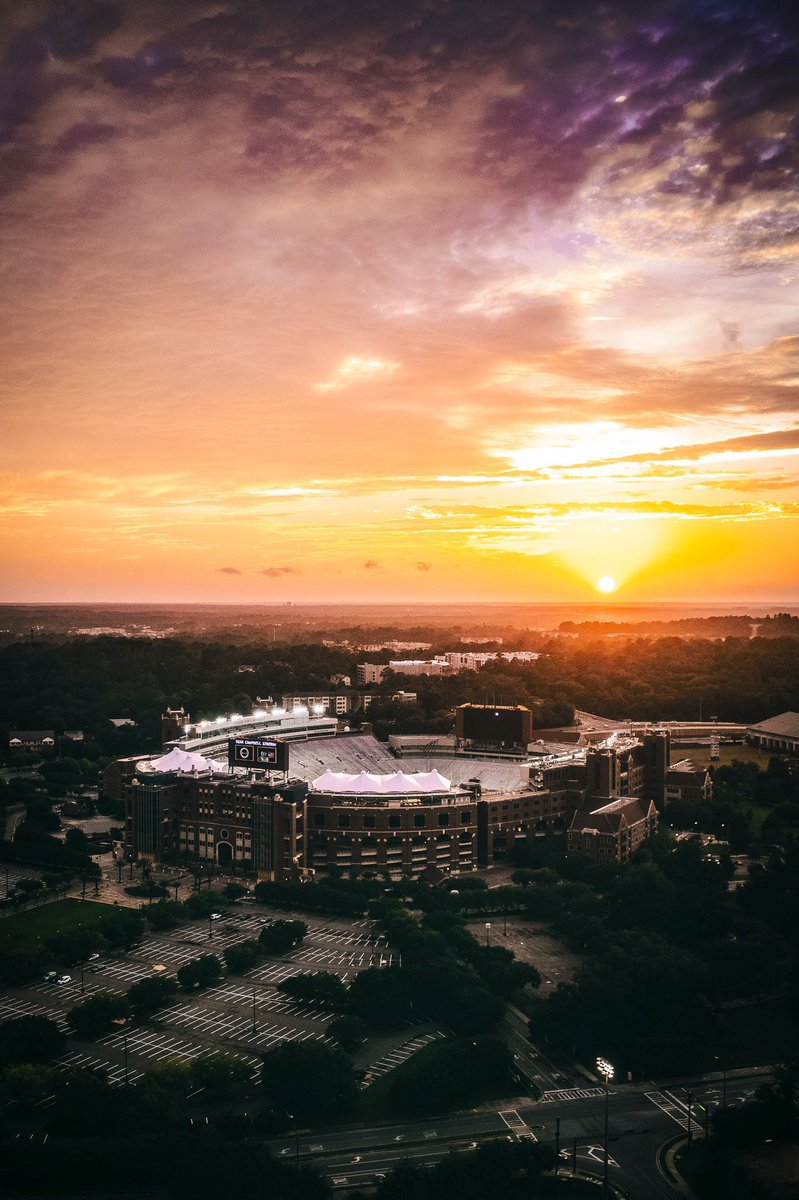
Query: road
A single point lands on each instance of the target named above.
(641, 1118)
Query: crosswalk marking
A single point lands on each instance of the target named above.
(517, 1125)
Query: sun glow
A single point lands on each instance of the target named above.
(607, 584)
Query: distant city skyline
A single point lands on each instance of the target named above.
(405, 302)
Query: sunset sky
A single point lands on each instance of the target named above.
(424, 299)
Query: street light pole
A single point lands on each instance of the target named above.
(125, 1050)
(690, 1107)
(82, 985)
(488, 933)
(606, 1071)
(254, 1026)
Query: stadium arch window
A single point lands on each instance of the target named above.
(419, 820)
(369, 821)
(443, 818)
(466, 818)
(225, 834)
(394, 821)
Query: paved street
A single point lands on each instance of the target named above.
(641, 1119)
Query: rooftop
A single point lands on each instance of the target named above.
(785, 725)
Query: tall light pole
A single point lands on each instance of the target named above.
(254, 1026)
(606, 1071)
(488, 933)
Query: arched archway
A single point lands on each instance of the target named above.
(224, 854)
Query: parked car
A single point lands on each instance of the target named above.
(62, 979)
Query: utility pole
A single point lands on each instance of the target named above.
(557, 1145)
(606, 1070)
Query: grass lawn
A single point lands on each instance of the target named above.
(23, 929)
(727, 754)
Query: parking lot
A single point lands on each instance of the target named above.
(244, 1015)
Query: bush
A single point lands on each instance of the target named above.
(146, 891)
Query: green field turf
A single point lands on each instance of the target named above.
(727, 754)
(25, 928)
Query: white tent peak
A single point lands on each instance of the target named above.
(365, 783)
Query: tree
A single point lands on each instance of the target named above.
(320, 988)
(30, 1040)
(453, 1071)
(26, 1083)
(242, 956)
(282, 936)
(199, 972)
(310, 1080)
(98, 1014)
(166, 914)
(124, 930)
(76, 839)
(349, 1031)
(235, 891)
(19, 966)
(381, 997)
(146, 996)
(221, 1075)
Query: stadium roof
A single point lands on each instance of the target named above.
(785, 725)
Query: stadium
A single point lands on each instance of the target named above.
(287, 796)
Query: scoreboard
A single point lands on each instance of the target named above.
(494, 724)
(259, 754)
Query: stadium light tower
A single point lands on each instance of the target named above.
(606, 1070)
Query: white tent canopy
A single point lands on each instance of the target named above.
(366, 784)
(182, 760)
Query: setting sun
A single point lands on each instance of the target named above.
(607, 584)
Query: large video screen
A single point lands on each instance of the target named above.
(485, 724)
(259, 754)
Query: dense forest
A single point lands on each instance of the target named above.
(81, 683)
